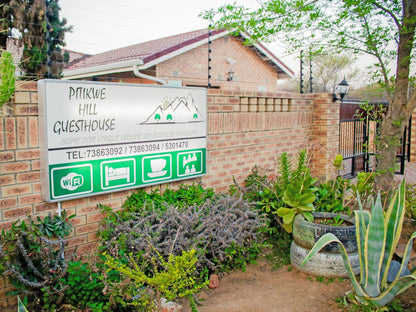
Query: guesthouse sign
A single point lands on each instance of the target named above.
(103, 137)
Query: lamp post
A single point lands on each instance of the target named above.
(342, 89)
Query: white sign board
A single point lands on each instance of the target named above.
(101, 137)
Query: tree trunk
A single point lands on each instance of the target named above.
(401, 106)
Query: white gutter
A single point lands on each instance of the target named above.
(100, 69)
(141, 75)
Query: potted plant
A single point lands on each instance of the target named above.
(330, 216)
(378, 234)
(329, 261)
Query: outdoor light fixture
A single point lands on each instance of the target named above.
(342, 89)
(230, 75)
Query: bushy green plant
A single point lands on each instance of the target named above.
(364, 188)
(31, 256)
(298, 198)
(223, 229)
(171, 278)
(377, 238)
(330, 196)
(84, 287)
(283, 195)
(186, 195)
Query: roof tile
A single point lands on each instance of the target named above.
(145, 51)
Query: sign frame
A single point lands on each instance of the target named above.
(98, 138)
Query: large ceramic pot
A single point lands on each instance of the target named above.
(328, 262)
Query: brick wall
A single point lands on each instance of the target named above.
(244, 129)
(250, 72)
(191, 68)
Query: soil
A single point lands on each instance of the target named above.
(262, 289)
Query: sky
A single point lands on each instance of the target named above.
(103, 25)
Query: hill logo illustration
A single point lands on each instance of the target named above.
(173, 111)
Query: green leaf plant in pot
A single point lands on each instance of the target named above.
(378, 234)
(298, 199)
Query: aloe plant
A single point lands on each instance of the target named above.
(298, 198)
(20, 306)
(377, 238)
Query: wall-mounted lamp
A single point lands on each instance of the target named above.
(342, 89)
(230, 75)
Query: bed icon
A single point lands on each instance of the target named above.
(112, 174)
(118, 173)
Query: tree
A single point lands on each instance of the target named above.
(330, 69)
(383, 29)
(29, 18)
(327, 72)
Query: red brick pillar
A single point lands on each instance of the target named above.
(325, 136)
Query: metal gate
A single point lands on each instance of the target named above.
(353, 145)
(357, 146)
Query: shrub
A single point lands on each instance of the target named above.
(169, 278)
(222, 229)
(31, 256)
(84, 287)
(330, 196)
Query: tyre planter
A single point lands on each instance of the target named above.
(328, 262)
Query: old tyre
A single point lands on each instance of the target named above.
(323, 264)
(306, 233)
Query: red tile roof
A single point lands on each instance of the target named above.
(146, 51)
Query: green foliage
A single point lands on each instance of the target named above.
(330, 196)
(411, 200)
(171, 278)
(384, 30)
(224, 229)
(354, 306)
(84, 287)
(377, 238)
(58, 226)
(285, 195)
(33, 28)
(364, 188)
(32, 259)
(186, 195)
(298, 198)
(279, 253)
(7, 77)
(20, 306)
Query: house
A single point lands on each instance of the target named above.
(186, 60)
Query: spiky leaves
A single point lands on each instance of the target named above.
(377, 239)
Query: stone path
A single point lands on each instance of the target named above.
(409, 173)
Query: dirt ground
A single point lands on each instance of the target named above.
(261, 289)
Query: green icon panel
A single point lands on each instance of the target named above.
(78, 179)
(118, 173)
(190, 163)
(71, 180)
(157, 168)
